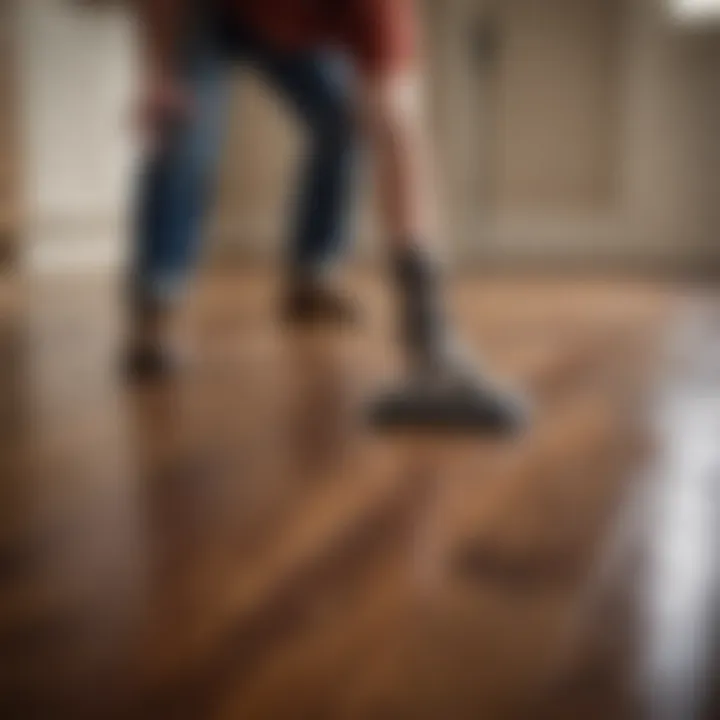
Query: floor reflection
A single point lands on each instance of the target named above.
(238, 543)
(682, 595)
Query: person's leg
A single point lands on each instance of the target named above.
(318, 88)
(173, 191)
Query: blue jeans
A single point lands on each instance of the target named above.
(175, 184)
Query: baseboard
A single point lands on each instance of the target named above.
(73, 245)
(100, 244)
(630, 257)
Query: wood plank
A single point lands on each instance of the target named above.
(237, 545)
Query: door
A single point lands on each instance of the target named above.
(536, 132)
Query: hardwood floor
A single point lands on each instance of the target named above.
(236, 544)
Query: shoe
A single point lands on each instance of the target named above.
(153, 352)
(151, 363)
(312, 303)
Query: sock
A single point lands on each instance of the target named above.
(422, 318)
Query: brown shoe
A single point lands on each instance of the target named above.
(153, 351)
(315, 303)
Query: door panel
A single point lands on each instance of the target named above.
(556, 81)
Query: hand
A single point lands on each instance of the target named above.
(164, 103)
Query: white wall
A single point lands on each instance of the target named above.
(75, 74)
(695, 11)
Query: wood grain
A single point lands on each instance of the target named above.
(236, 544)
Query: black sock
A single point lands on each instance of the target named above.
(422, 318)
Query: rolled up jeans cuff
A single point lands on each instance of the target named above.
(159, 292)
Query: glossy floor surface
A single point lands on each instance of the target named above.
(236, 544)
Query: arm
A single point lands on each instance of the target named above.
(161, 25)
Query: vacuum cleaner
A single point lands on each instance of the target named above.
(451, 400)
(444, 390)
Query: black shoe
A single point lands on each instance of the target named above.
(150, 363)
(317, 304)
(153, 350)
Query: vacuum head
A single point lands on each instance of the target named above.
(458, 406)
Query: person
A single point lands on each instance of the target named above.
(342, 67)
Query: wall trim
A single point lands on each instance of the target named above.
(70, 244)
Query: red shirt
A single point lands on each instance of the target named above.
(379, 35)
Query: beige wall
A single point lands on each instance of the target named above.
(637, 108)
(557, 74)
(625, 103)
(672, 163)
(644, 161)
